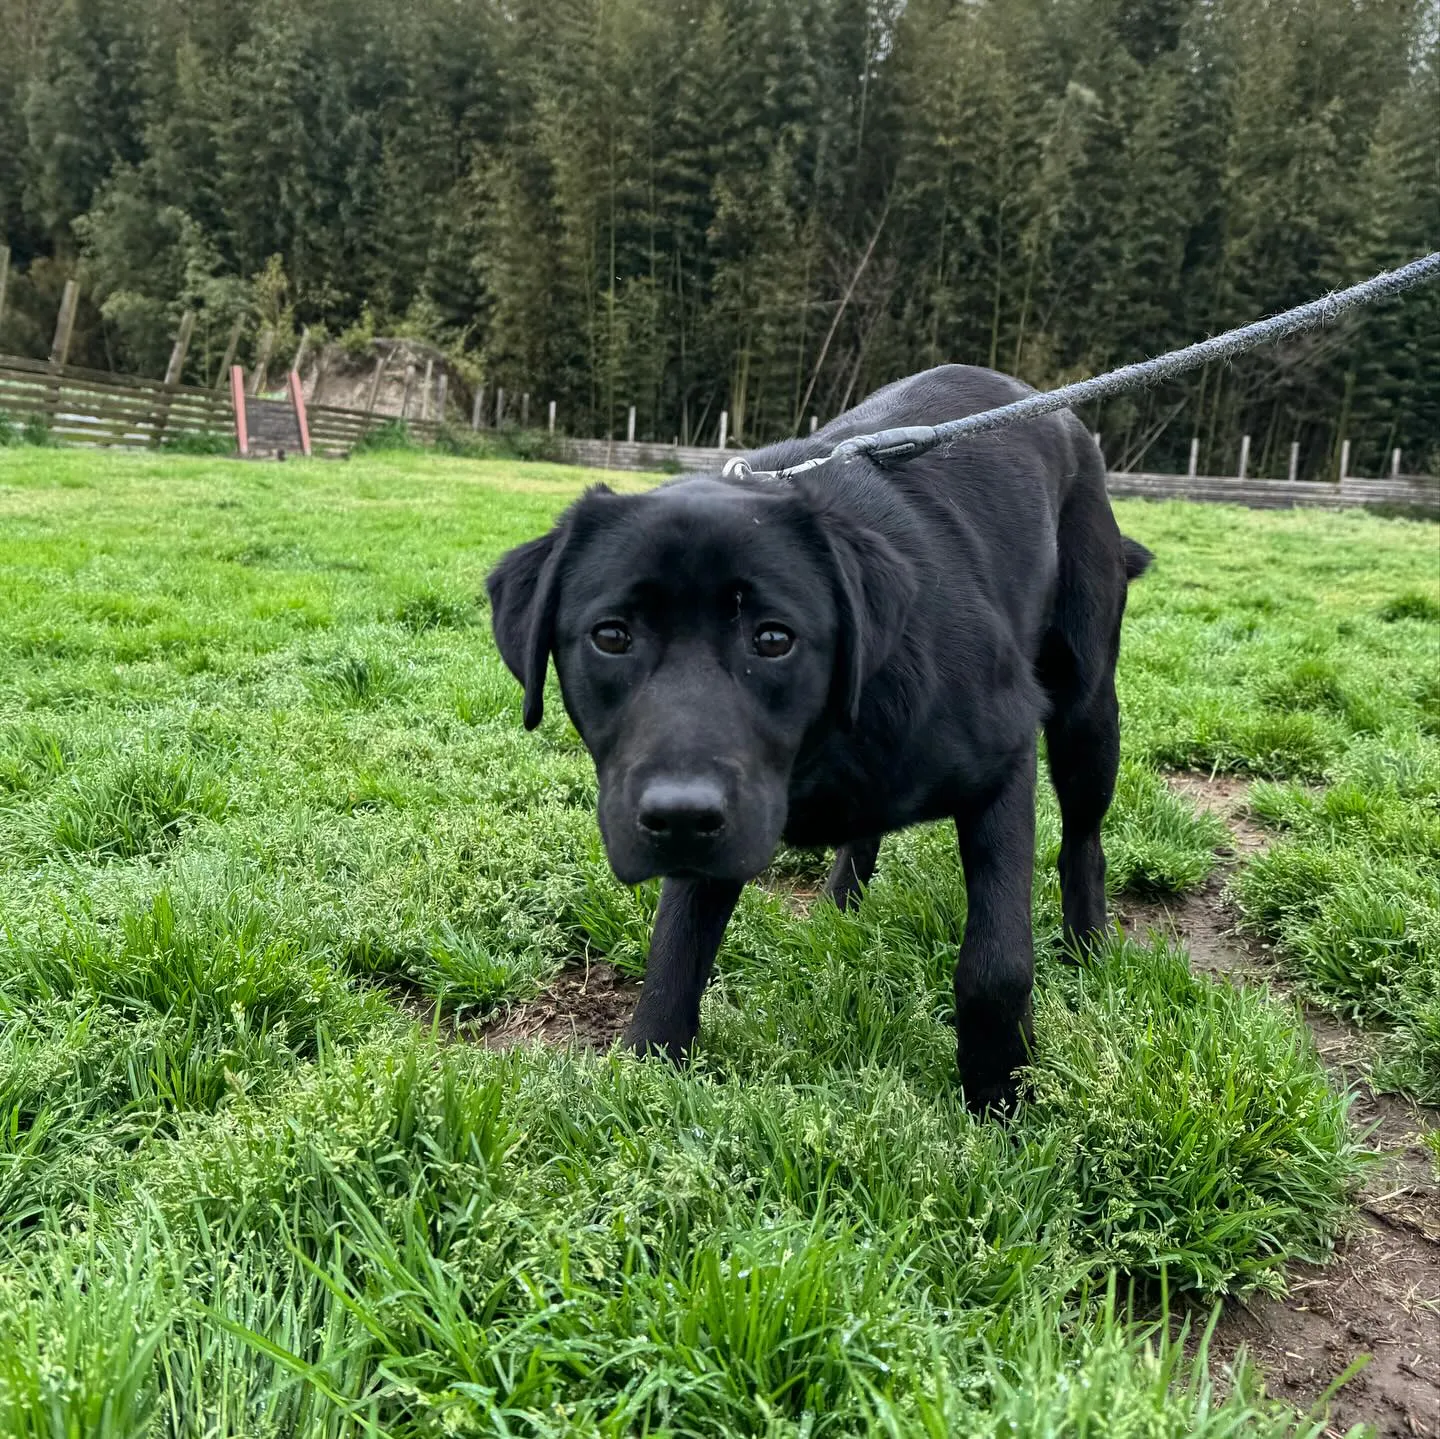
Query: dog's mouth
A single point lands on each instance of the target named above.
(632, 867)
(731, 853)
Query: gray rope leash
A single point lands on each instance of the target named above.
(889, 446)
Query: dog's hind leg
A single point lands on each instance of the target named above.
(1077, 670)
(996, 967)
(688, 929)
(1083, 740)
(854, 865)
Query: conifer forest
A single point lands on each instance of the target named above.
(767, 207)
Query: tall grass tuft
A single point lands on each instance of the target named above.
(136, 804)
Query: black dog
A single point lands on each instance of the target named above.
(828, 659)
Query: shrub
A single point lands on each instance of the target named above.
(208, 443)
(1412, 605)
(390, 435)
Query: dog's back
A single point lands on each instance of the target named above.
(1023, 511)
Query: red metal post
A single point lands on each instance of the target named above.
(237, 397)
(297, 398)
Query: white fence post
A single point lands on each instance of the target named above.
(552, 417)
(814, 423)
(1194, 457)
(1294, 460)
(499, 407)
(1244, 455)
(1395, 463)
(630, 427)
(1344, 460)
(525, 410)
(724, 428)
(477, 410)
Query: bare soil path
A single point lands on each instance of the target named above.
(1380, 1296)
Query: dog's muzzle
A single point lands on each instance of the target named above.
(673, 823)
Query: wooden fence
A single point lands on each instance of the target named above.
(1418, 492)
(91, 407)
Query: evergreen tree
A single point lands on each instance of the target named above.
(767, 207)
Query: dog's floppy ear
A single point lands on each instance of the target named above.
(874, 588)
(524, 596)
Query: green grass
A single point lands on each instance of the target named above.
(1304, 650)
(261, 769)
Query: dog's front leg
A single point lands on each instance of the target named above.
(996, 968)
(688, 929)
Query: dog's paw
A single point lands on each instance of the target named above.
(1080, 946)
(993, 1085)
(650, 1045)
(992, 1099)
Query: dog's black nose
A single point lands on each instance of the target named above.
(683, 809)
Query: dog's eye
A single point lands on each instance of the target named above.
(611, 638)
(772, 641)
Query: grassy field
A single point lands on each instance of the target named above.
(263, 785)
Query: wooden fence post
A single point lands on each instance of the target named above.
(65, 324)
(382, 363)
(499, 406)
(301, 351)
(814, 423)
(630, 427)
(173, 371)
(409, 390)
(1244, 455)
(180, 348)
(552, 420)
(442, 393)
(60, 349)
(1395, 463)
(525, 410)
(231, 345)
(1344, 460)
(425, 393)
(724, 428)
(477, 410)
(4, 278)
(1294, 460)
(262, 360)
(1194, 457)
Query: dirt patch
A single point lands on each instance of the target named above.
(1380, 1296)
(1203, 923)
(587, 1007)
(1228, 798)
(332, 376)
(797, 893)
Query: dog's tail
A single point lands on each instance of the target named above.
(1137, 558)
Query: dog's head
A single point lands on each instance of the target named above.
(703, 634)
